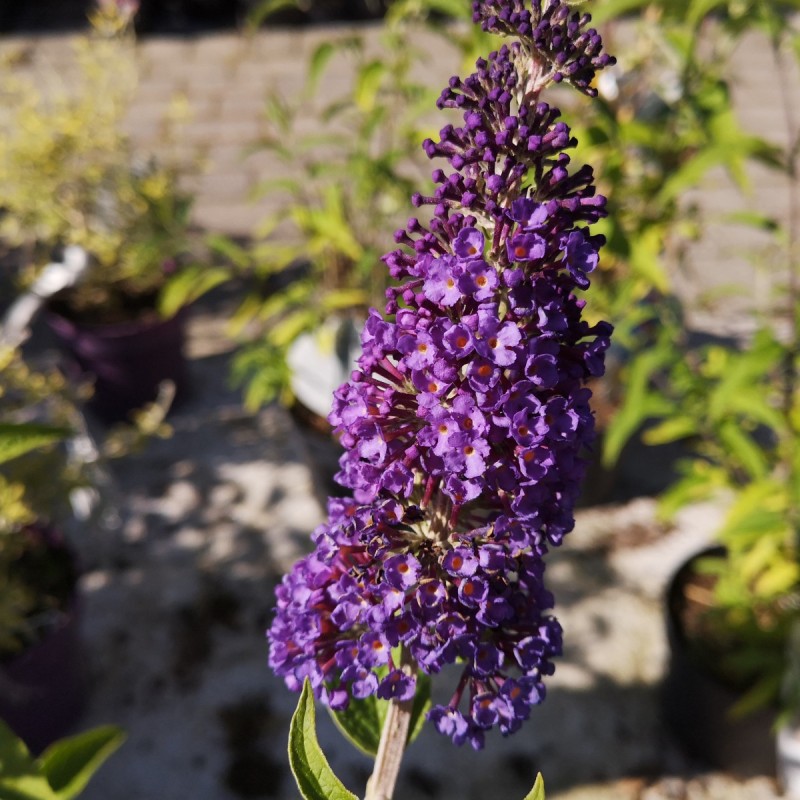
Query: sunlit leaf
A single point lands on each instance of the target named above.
(18, 439)
(670, 430)
(368, 84)
(319, 60)
(189, 285)
(20, 777)
(537, 793)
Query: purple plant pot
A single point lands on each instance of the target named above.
(43, 689)
(128, 361)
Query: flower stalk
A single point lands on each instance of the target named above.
(391, 748)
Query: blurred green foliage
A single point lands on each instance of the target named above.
(734, 406)
(40, 471)
(62, 772)
(347, 188)
(69, 176)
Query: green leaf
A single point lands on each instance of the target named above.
(700, 480)
(362, 721)
(741, 446)
(764, 691)
(700, 9)
(287, 330)
(537, 793)
(227, 248)
(368, 84)
(18, 439)
(266, 8)
(312, 773)
(778, 579)
(645, 258)
(755, 219)
(319, 60)
(188, 285)
(70, 763)
(639, 404)
(670, 430)
(344, 298)
(20, 778)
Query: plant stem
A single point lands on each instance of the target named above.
(393, 742)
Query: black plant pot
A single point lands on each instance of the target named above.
(127, 361)
(43, 688)
(696, 704)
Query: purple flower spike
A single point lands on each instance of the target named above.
(467, 420)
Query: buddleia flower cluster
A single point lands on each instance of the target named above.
(467, 422)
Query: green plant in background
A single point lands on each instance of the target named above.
(36, 480)
(737, 411)
(664, 120)
(62, 771)
(741, 429)
(40, 475)
(69, 176)
(318, 257)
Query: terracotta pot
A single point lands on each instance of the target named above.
(696, 704)
(43, 688)
(127, 361)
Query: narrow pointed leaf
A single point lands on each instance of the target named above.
(266, 8)
(537, 793)
(319, 60)
(314, 777)
(18, 439)
(20, 778)
(189, 285)
(670, 430)
(70, 763)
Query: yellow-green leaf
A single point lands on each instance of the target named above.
(70, 763)
(188, 285)
(670, 430)
(18, 439)
(368, 84)
(537, 793)
(20, 778)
